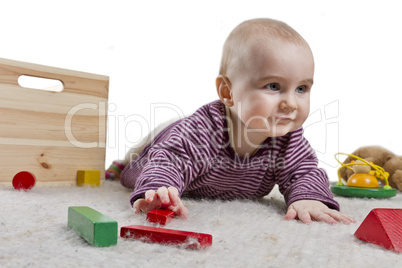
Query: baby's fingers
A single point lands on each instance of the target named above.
(340, 217)
(291, 214)
(174, 196)
(304, 216)
(139, 205)
(180, 210)
(163, 195)
(150, 196)
(324, 217)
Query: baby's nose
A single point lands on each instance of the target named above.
(288, 103)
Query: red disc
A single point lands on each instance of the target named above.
(24, 180)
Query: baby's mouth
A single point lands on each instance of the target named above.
(281, 118)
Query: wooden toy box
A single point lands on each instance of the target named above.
(51, 134)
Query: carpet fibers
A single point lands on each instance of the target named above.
(34, 233)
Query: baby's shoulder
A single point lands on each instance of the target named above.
(205, 126)
(209, 117)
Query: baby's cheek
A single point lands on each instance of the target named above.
(253, 118)
(303, 115)
(255, 110)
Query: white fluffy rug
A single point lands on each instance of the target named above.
(34, 233)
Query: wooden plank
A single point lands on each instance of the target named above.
(67, 127)
(185, 239)
(52, 165)
(73, 81)
(17, 123)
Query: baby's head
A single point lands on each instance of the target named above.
(265, 77)
(239, 48)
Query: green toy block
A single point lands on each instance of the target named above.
(98, 229)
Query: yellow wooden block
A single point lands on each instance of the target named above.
(88, 177)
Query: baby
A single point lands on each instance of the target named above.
(250, 139)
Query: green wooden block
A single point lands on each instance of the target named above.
(99, 230)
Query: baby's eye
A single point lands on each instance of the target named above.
(273, 86)
(301, 89)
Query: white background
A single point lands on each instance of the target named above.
(169, 52)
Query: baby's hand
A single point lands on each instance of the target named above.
(163, 198)
(308, 210)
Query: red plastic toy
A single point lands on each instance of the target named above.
(24, 180)
(167, 236)
(161, 216)
(382, 227)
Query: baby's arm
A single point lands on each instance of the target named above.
(308, 210)
(163, 198)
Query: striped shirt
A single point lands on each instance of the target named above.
(195, 156)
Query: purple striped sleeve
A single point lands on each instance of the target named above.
(179, 154)
(300, 178)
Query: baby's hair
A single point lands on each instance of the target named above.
(239, 39)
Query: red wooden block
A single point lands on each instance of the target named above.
(23, 180)
(161, 216)
(167, 236)
(382, 227)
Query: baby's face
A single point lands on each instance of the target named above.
(271, 92)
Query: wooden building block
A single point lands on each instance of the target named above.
(382, 227)
(88, 177)
(99, 230)
(51, 134)
(167, 236)
(161, 216)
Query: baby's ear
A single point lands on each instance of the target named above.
(223, 87)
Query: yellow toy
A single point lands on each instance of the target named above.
(88, 177)
(364, 181)
(382, 157)
(362, 176)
